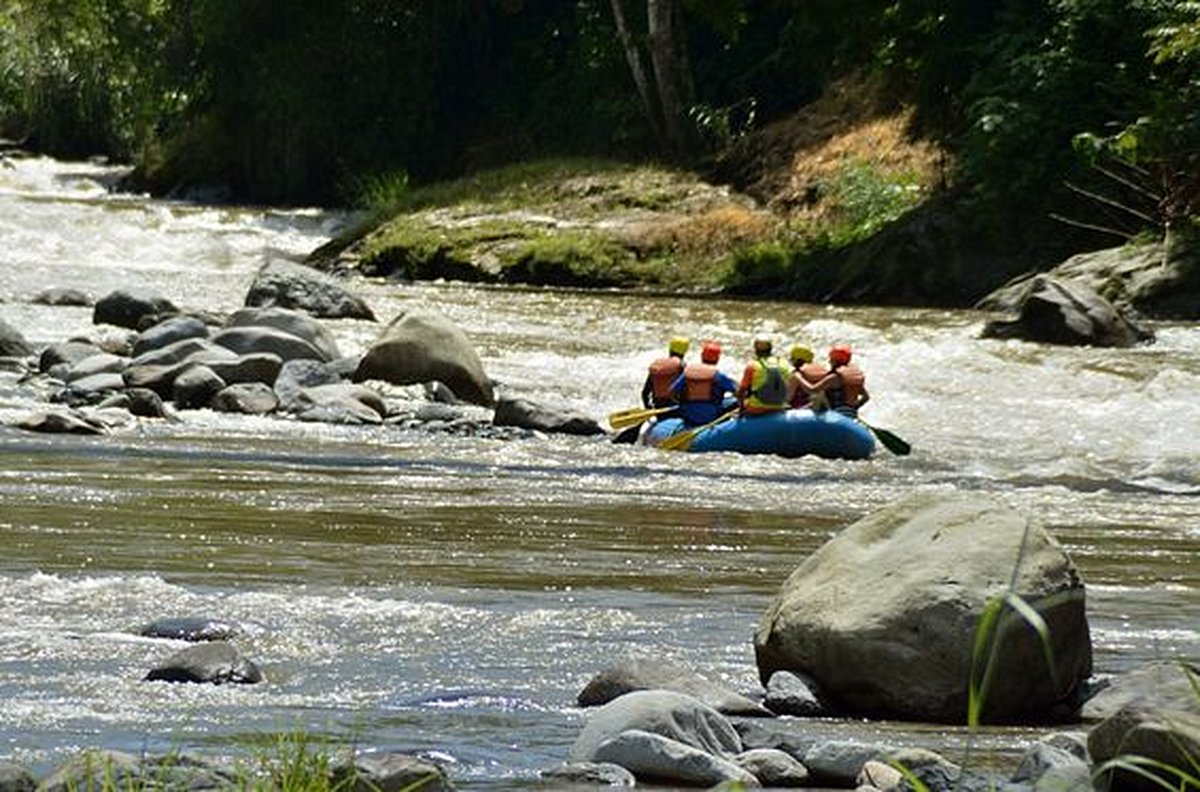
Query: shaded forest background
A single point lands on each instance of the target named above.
(1063, 125)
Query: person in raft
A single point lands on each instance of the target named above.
(847, 391)
(656, 391)
(763, 388)
(701, 388)
(806, 386)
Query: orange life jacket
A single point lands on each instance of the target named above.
(662, 373)
(849, 392)
(698, 380)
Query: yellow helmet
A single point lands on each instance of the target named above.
(800, 353)
(678, 346)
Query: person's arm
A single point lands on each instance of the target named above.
(819, 385)
(743, 388)
(647, 393)
(863, 397)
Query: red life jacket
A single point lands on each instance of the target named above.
(662, 373)
(848, 393)
(698, 380)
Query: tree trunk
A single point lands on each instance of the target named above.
(669, 73)
(633, 56)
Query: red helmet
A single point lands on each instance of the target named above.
(839, 354)
(710, 353)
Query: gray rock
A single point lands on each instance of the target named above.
(1061, 312)
(254, 338)
(62, 296)
(673, 715)
(200, 350)
(190, 628)
(354, 403)
(838, 763)
(422, 347)
(168, 332)
(591, 774)
(100, 363)
(1155, 279)
(1158, 737)
(195, 387)
(390, 773)
(247, 398)
(15, 778)
(296, 375)
(528, 414)
(285, 284)
(129, 308)
(295, 323)
(651, 756)
(68, 352)
(1052, 769)
(258, 367)
(879, 775)
(884, 615)
(773, 768)
(58, 422)
(216, 662)
(646, 674)
(793, 694)
(12, 343)
(94, 770)
(1159, 683)
(142, 402)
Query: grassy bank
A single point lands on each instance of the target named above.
(823, 180)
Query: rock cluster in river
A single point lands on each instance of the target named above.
(273, 357)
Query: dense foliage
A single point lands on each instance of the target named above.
(318, 100)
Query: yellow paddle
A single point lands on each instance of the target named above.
(623, 419)
(683, 440)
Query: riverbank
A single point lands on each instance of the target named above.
(830, 176)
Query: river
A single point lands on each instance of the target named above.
(450, 595)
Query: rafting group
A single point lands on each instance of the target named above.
(790, 410)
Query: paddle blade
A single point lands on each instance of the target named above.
(622, 419)
(683, 440)
(890, 441)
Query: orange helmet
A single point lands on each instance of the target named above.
(710, 353)
(839, 354)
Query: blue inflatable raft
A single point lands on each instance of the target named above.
(790, 433)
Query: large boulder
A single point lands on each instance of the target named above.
(884, 616)
(425, 347)
(1056, 311)
(1158, 279)
(285, 284)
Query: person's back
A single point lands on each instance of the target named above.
(656, 391)
(702, 387)
(806, 382)
(764, 385)
(848, 391)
